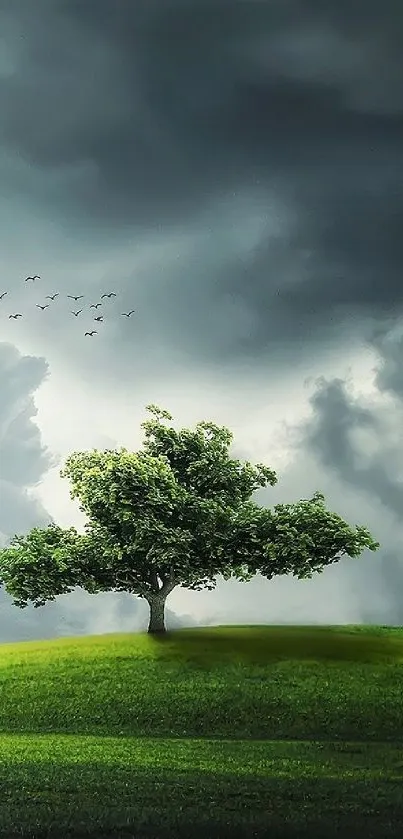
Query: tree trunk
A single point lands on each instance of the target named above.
(156, 600)
(157, 609)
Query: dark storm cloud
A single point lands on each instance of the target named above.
(19, 512)
(23, 459)
(150, 115)
(351, 450)
(387, 339)
(172, 102)
(328, 434)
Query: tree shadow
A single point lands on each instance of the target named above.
(269, 644)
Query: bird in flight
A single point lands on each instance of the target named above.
(77, 313)
(15, 316)
(42, 307)
(94, 332)
(112, 294)
(100, 318)
(71, 296)
(95, 305)
(35, 277)
(127, 314)
(3, 295)
(51, 297)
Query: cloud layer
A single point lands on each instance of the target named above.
(234, 172)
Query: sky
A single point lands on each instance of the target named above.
(233, 172)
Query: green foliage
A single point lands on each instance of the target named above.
(200, 460)
(296, 539)
(179, 512)
(40, 565)
(306, 537)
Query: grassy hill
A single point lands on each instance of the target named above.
(260, 731)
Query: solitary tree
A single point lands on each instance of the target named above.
(179, 512)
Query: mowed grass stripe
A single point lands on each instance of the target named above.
(287, 759)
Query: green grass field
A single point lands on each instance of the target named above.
(260, 731)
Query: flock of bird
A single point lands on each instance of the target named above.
(98, 319)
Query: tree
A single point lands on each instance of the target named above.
(179, 512)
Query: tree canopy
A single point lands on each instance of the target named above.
(178, 512)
